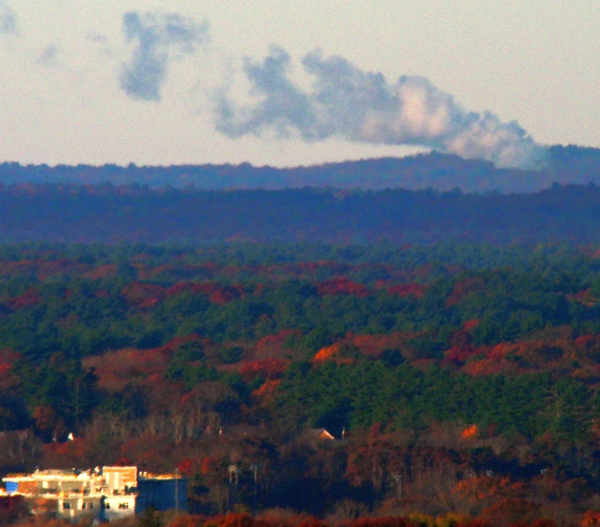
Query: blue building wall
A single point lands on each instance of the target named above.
(12, 487)
(162, 494)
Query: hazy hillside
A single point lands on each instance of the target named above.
(108, 214)
(570, 164)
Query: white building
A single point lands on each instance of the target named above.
(108, 494)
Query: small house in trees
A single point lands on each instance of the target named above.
(320, 434)
(110, 493)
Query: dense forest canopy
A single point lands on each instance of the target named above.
(108, 214)
(470, 372)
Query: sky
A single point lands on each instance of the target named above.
(285, 83)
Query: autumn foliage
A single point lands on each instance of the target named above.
(452, 392)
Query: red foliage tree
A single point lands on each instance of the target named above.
(342, 286)
(29, 298)
(405, 290)
(463, 288)
(270, 368)
(509, 511)
(142, 294)
(273, 346)
(591, 518)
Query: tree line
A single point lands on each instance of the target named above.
(103, 213)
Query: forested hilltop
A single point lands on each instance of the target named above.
(109, 214)
(466, 377)
(563, 164)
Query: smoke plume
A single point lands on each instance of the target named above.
(8, 19)
(158, 38)
(49, 56)
(349, 103)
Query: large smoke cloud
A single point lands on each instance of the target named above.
(158, 39)
(8, 19)
(362, 106)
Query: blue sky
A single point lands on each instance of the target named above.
(157, 82)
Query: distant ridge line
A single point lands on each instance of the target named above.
(570, 164)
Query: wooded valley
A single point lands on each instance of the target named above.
(460, 382)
